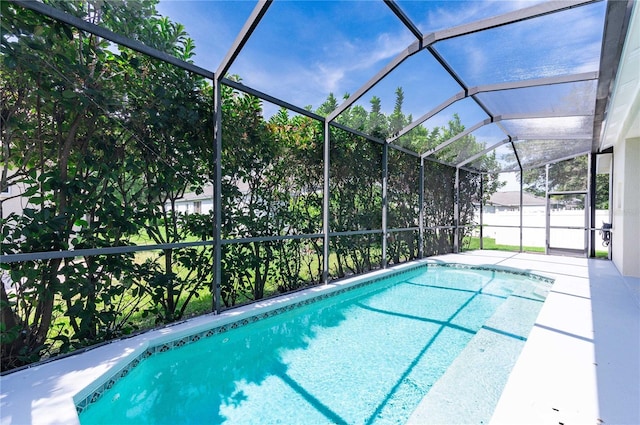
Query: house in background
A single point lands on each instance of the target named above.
(510, 201)
(11, 200)
(502, 219)
(191, 202)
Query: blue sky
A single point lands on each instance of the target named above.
(304, 50)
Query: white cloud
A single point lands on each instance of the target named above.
(458, 13)
(327, 77)
(344, 66)
(556, 44)
(356, 59)
(213, 25)
(332, 57)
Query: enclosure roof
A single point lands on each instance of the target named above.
(530, 81)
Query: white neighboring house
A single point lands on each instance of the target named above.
(11, 201)
(503, 209)
(502, 216)
(510, 201)
(191, 202)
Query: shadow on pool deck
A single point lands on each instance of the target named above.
(616, 329)
(581, 363)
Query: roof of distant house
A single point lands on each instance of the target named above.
(512, 199)
(207, 194)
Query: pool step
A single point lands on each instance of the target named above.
(483, 366)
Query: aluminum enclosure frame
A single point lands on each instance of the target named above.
(617, 19)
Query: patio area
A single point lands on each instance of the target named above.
(143, 184)
(579, 365)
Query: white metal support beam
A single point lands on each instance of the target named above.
(458, 96)
(246, 89)
(429, 40)
(532, 116)
(404, 150)
(385, 202)
(101, 32)
(483, 152)
(515, 152)
(217, 197)
(456, 213)
(547, 209)
(243, 36)
(586, 76)
(537, 82)
(404, 18)
(459, 136)
(325, 205)
(555, 160)
(395, 62)
(421, 214)
(616, 25)
(504, 19)
(481, 211)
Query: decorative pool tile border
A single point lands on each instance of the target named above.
(180, 342)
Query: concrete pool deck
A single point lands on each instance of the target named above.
(581, 363)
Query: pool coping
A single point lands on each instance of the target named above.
(43, 394)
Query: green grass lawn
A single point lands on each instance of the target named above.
(472, 243)
(202, 304)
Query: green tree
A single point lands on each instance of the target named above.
(169, 114)
(378, 125)
(569, 175)
(104, 143)
(397, 120)
(256, 199)
(602, 191)
(60, 112)
(355, 186)
(300, 262)
(72, 137)
(403, 190)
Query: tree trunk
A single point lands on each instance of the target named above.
(170, 293)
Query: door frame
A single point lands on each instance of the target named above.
(584, 227)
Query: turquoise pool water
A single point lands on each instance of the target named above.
(366, 356)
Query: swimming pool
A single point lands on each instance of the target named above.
(367, 353)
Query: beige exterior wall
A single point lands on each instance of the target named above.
(622, 131)
(12, 203)
(626, 207)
